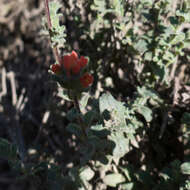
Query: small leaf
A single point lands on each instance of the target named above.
(141, 46)
(127, 186)
(178, 38)
(84, 100)
(148, 56)
(89, 117)
(146, 112)
(63, 94)
(74, 128)
(128, 171)
(147, 93)
(113, 180)
(99, 131)
(185, 168)
(86, 173)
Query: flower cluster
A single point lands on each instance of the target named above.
(73, 66)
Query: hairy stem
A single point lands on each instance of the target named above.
(81, 123)
(55, 50)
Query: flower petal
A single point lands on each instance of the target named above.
(76, 69)
(74, 55)
(66, 62)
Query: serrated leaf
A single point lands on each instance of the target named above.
(86, 173)
(113, 180)
(185, 168)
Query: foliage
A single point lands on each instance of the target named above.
(133, 132)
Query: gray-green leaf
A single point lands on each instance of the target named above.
(185, 168)
(113, 180)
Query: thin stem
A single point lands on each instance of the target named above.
(81, 123)
(46, 2)
(55, 50)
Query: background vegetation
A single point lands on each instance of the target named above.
(138, 113)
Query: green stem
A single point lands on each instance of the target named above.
(81, 123)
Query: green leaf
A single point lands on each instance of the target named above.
(74, 128)
(113, 180)
(185, 168)
(99, 131)
(7, 150)
(127, 186)
(161, 71)
(146, 112)
(57, 33)
(141, 46)
(145, 178)
(121, 144)
(72, 115)
(147, 93)
(86, 173)
(89, 117)
(180, 37)
(84, 100)
(107, 102)
(117, 109)
(63, 94)
(148, 56)
(184, 15)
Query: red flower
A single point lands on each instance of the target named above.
(82, 61)
(73, 64)
(86, 80)
(56, 68)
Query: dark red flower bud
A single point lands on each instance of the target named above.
(86, 80)
(56, 68)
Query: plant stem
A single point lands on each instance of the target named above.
(81, 123)
(55, 50)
